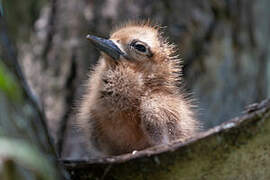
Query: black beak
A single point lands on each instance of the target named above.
(105, 45)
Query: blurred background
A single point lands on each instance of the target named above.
(224, 46)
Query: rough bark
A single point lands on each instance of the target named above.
(26, 150)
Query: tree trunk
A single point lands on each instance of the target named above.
(26, 150)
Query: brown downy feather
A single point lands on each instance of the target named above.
(136, 103)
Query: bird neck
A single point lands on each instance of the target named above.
(162, 77)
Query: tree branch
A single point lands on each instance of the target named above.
(224, 140)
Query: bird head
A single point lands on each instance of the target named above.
(140, 43)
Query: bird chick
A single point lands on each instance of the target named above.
(132, 100)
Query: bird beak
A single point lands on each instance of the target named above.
(105, 45)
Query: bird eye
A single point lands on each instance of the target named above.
(140, 47)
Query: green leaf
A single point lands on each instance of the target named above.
(9, 85)
(27, 156)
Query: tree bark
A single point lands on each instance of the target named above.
(26, 149)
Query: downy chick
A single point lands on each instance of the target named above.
(132, 100)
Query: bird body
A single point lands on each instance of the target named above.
(132, 100)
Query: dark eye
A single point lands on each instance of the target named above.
(140, 47)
